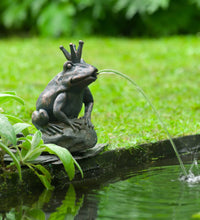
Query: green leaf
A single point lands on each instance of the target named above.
(44, 181)
(53, 25)
(6, 130)
(26, 143)
(15, 120)
(15, 160)
(8, 97)
(45, 177)
(44, 171)
(35, 214)
(24, 152)
(65, 156)
(76, 163)
(36, 7)
(15, 15)
(37, 139)
(32, 154)
(9, 92)
(19, 127)
(25, 146)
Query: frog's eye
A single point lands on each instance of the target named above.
(69, 65)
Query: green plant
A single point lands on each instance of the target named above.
(30, 147)
(7, 131)
(133, 7)
(79, 17)
(33, 146)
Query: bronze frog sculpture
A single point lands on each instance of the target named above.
(59, 105)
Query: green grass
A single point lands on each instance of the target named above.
(168, 70)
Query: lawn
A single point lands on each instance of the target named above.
(167, 69)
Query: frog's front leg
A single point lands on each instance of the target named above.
(87, 115)
(59, 103)
(89, 102)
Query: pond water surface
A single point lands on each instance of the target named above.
(154, 193)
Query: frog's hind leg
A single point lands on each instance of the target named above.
(40, 119)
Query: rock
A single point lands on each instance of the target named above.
(74, 141)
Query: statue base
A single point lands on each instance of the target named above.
(75, 141)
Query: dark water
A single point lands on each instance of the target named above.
(154, 193)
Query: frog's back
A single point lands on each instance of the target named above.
(48, 96)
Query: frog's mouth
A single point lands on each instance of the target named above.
(84, 79)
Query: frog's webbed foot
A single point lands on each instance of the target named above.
(52, 129)
(76, 125)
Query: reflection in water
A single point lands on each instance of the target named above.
(28, 211)
(24, 212)
(75, 205)
(70, 206)
(50, 205)
(154, 193)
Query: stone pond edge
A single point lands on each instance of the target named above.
(109, 164)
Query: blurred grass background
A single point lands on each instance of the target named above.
(166, 68)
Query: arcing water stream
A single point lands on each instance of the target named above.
(139, 89)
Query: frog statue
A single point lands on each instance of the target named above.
(59, 105)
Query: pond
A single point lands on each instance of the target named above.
(152, 193)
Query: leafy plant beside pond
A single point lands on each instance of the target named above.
(25, 149)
